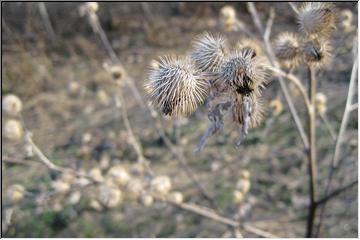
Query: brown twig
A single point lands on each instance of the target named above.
(336, 192)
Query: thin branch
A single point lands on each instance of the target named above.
(259, 232)
(293, 7)
(336, 192)
(257, 21)
(328, 126)
(45, 17)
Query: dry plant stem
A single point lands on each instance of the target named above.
(256, 18)
(339, 139)
(293, 7)
(45, 16)
(312, 153)
(328, 126)
(275, 64)
(336, 192)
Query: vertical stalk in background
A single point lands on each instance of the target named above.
(45, 17)
(312, 153)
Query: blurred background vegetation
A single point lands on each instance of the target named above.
(39, 67)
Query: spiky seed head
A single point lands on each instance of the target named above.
(244, 72)
(176, 197)
(119, 175)
(317, 19)
(176, 87)
(249, 43)
(287, 49)
(15, 193)
(276, 106)
(238, 196)
(11, 105)
(256, 114)
(208, 52)
(13, 130)
(161, 185)
(110, 196)
(317, 53)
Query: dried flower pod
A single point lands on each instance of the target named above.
(135, 187)
(119, 175)
(96, 175)
(74, 88)
(60, 186)
(238, 197)
(287, 49)
(11, 105)
(176, 87)
(147, 200)
(243, 72)
(176, 197)
(161, 185)
(321, 103)
(110, 196)
(249, 43)
(94, 204)
(277, 107)
(346, 21)
(74, 198)
(317, 53)
(245, 174)
(13, 130)
(103, 97)
(82, 182)
(228, 12)
(117, 71)
(243, 185)
(317, 19)
(15, 193)
(256, 111)
(68, 177)
(208, 52)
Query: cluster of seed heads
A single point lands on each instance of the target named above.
(242, 187)
(231, 79)
(13, 129)
(317, 20)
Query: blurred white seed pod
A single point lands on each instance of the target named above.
(74, 198)
(137, 169)
(94, 204)
(317, 53)
(94, 6)
(104, 161)
(60, 186)
(29, 151)
(11, 105)
(245, 174)
(117, 71)
(287, 49)
(103, 97)
(276, 106)
(13, 130)
(228, 18)
(82, 181)
(243, 185)
(119, 175)
(321, 102)
(134, 187)
(68, 177)
(57, 207)
(208, 52)
(86, 138)
(161, 185)
(96, 175)
(147, 200)
(176, 87)
(15, 193)
(227, 12)
(74, 88)
(176, 197)
(346, 21)
(238, 197)
(317, 19)
(110, 196)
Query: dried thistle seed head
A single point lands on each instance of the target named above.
(110, 196)
(287, 49)
(249, 43)
(208, 52)
(13, 130)
(176, 197)
(317, 19)
(11, 105)
(119, 175)
(317, 53)
(161, 185)
(238, 197)
(276, 106)
(176, 87)
(15, 193)
(244, 72)
(256, 113)
(117, 71)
